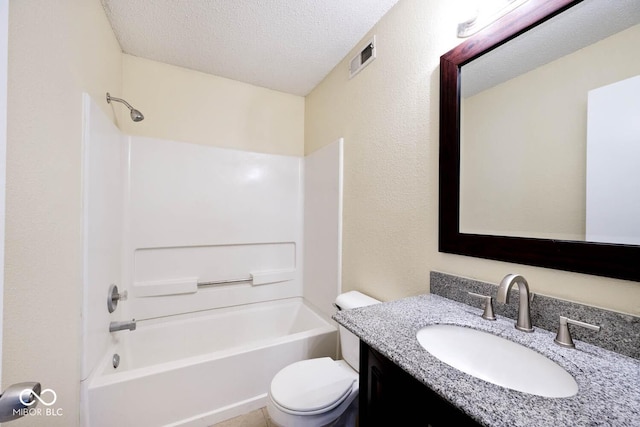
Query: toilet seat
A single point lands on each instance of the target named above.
(311, 387)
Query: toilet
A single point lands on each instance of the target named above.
(321, 392)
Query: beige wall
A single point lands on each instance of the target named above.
(186, 105)
(57, 50)
(388, 115)
(535, 144)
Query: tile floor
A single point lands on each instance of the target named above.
(257, 418)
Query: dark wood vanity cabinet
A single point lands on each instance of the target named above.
(389, 396)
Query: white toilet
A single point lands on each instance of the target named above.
(321, 392)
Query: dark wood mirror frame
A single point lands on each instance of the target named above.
(609, 260)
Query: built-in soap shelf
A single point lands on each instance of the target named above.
(190, 285)
(185, 270)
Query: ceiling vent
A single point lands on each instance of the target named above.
(366, 55)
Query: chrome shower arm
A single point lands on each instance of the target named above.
(113, 98)
(136, 115)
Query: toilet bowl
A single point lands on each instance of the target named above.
(321, 392)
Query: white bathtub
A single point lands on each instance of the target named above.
(202, 368)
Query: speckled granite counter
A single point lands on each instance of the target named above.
(609, 383)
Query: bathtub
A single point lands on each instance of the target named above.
(202, 368)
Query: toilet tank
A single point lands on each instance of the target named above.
(349, 343)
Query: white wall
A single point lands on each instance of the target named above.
(323, 226)
(161, 216)
(104, 174)
(613, 176)
(200, 213)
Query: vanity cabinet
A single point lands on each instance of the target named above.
(389, 396)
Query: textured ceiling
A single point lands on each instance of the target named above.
(286, 45)
(580, 26)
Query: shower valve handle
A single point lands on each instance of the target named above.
(113, 297)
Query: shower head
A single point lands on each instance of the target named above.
(136, 115)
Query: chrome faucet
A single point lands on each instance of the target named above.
(524, 314)
(121, 326)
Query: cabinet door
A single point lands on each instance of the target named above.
(389, 396)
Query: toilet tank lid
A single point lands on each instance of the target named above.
(353, 299)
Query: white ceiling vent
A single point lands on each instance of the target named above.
(366, 55)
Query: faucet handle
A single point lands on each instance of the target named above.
(488, 305)
(563, 338)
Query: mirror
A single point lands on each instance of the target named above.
(528, 107)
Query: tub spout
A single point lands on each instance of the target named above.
(121, 326)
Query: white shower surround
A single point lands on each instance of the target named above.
(210, 214)
(160, 211)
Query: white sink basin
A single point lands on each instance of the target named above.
(497, 360)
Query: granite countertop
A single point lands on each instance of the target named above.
(609, 383)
